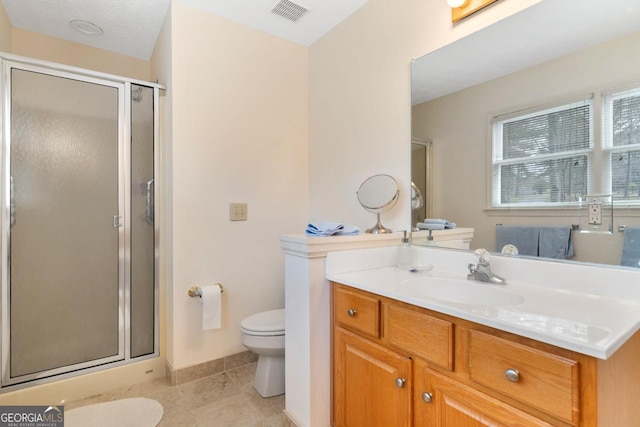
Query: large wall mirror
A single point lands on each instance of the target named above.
(550, 54)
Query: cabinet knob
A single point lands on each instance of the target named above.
(512, 375)
(427, 397)
(351, 312)
(400, 382)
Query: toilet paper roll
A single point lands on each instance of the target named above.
(211, 307)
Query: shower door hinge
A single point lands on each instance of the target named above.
(116, 221)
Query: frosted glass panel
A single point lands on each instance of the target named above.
(142, 220)
(64, 247)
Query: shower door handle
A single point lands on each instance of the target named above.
(12, 204)
(149, 212)
(116, 221)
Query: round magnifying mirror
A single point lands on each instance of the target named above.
(417, 201)
(378, 194)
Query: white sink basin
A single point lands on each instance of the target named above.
(460, 291)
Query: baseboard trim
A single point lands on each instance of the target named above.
(288, 420)
(211, 367)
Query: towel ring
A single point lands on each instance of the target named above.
(196, 291)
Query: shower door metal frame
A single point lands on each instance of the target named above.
(123, 85)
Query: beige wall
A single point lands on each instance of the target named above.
(33, 45)
(458, 125)
(360, 107)
(290, 130)
(239, 101)
(5, 31)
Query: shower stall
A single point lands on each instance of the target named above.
(79, 238)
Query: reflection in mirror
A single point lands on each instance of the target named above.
(457, 114)
(420, 179)
(631, 247)
(417, 201)
(378, 194)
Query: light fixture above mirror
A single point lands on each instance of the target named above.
(463, 8)
(457, 3)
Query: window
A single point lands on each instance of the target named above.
(621, 118)
(550, 156)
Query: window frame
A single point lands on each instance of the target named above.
(599, 154)
(607, 98)
(495, 160)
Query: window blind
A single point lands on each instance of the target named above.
(543, 157)
(621, 142)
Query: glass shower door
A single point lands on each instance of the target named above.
(66, 264)
(143, 305)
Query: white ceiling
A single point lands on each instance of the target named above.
(545, 31)
(323, 15)
(131, 27)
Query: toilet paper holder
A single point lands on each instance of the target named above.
(196, 291)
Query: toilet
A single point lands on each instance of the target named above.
(263, 333)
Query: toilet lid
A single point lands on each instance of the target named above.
(267, 321)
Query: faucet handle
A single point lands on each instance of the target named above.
(483, 256)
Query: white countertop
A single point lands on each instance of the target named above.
(318, 246)
(589, 309)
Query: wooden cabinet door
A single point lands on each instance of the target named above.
(453, 404)
(372, 385)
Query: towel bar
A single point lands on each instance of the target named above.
(196, 291)
(573, 226)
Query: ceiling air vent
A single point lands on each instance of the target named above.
(289, 10)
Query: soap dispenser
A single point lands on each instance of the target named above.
(405, 255)
(430, 241)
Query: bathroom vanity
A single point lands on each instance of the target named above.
(307, 303)
(433, 349)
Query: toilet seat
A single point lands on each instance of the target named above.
(267, 323)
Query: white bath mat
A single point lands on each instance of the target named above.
(134, 412)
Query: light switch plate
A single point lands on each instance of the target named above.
(238, 211)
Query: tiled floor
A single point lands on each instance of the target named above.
(223, 400)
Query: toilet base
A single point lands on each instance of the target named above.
(269, 379)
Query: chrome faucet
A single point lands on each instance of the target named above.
(481, 271)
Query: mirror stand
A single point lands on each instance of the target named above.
(379, 228)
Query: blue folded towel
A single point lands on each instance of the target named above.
(431, 221)
(430, 226)
(349, 230)
(555, 242)
(328, 228)
(434, 221)
(525, 238)
(631, 247)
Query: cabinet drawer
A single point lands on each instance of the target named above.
(357, 311)
(420, 334)
(441, 401)
(542, 380)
